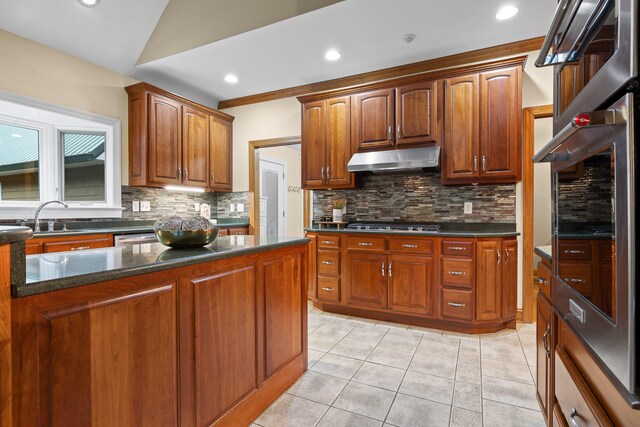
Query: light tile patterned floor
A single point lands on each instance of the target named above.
(368, 373)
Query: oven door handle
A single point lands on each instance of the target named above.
(594, 119)
(558, 16)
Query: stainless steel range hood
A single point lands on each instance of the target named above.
(395, 160)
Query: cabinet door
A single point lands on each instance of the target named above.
(220, 155)
(338, 142)
(195, 147)
(488, 280)
(500, 108)
(313, 145)
(165, 140)
(461, 129)
(366, 279)
(509, 279)
(373, 120)
(543, 354)
(416, 108)
(411, 284)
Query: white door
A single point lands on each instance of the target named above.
(272, 188)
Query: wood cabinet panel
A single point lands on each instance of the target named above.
(77, 245)
(238, 231)
(338, 142)
(457, 247)
(220, 154)
(328, 262)
(328, 242)
(165, 140)
(372, 120)
(225, 305)
(33, 247)
(138, 137)
(412, 284)
(313, 144)
(365, 243)
(488, 280)
(509, 279)
(544, 352)
(411, 245)
(500, 154)
(329, 288)
(461, 128)
(544, 278)
(457, 304)
(366, 279)
(457, 272)
(282, 283)
(416, 109)
(195, 147)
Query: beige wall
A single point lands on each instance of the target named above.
(39, 72)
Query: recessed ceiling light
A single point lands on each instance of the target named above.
(506, 12)
(16, 135)
(332, 55)
(230, 78)
(89, 3)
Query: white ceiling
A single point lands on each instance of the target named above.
(368, 33)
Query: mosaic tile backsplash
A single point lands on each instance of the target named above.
(420, 198)
(164, 202)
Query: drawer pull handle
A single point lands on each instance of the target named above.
(574, 412)
(382, 269)
(328, 262)
(542, 281)
(406, 245)
(327, 242)
(328, 289)
(457, 273)
(80, 248)
(456, 248)
(573, 251)
(457, 304)
(572, 280)
(499, 256)
(545, 342)
(365, 244)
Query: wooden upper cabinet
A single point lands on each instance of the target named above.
(220, 154)
(488, 280)
(416, 113)
(313, 144)
(165, 140)
(195, 147)
(372, 120)
(173, 140)
(500, 153)
(338, 142)
(461, 128)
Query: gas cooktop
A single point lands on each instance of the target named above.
(394, 226)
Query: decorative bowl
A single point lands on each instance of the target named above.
(183, 239)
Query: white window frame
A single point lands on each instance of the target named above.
(50, 120)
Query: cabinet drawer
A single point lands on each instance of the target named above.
(366, 243)
(329, 263)
(330, 242)
(574, 397)
(457, 272)
(411, 245)
(456, 304)
(77, 245)
(239, 231)
(457, 247)
(579, 276)
(575, 250)
(544, 279)
(223, 232)
(328, 288)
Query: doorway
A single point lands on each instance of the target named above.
(273, 176)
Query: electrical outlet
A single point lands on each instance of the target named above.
(145, 206)
(240, 207)
(232, 207)
(135, 206)
(468, 207)
(197, 207)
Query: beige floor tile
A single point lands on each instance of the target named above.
(314, 356)
(497, 414)
(469, 354)
(328, 335)
(438, 349)
(409, 411)
(464, 418)
(365, 400)
(468, 372)
(405, 342)
(530, 354)
(434, 366)
(337, 366)
(318, 387)
(390, 357)
(359, 343)
(428, 331)
(428, 387)
(338, 418)
(382, 376)
(461, 336)
(507, 353)
(444, 339)
(509, 392)
(467, 396)
(506, 371)
(391, 325)
(292, 411)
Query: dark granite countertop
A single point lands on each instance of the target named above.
(446, 230)
(14, 234)
(544, 252)
(61, 270)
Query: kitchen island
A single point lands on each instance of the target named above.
(147, 335)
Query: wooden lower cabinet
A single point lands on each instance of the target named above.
(208, 344)
(366, 281)
(496, 280)
(545, 347)
(40, 245)
(411, 284)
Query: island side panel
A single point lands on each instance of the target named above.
(5, 337)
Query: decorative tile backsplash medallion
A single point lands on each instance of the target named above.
(420, 197)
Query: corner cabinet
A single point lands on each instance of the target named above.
(482, 120)
(174, 141)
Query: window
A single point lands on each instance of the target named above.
(49, 152)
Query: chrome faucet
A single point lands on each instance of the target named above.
(36, 227)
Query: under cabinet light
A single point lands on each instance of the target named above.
(89, 3)
(183, 188)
